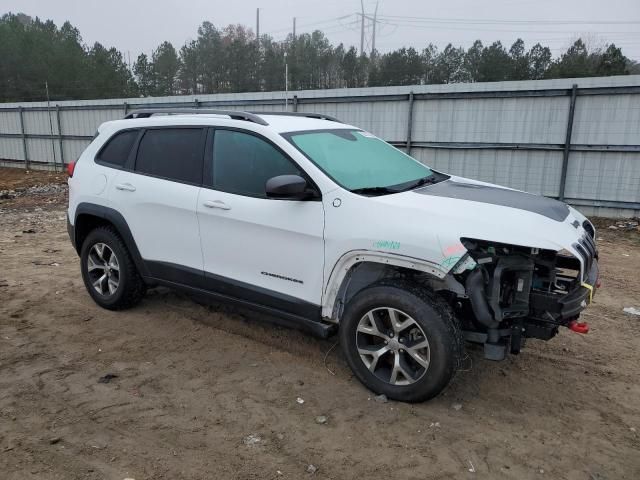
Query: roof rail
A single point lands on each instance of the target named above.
(235, 115)
(319, 116)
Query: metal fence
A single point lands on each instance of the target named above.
(573, 139)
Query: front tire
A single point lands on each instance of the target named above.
(109, 274)
(401, 340)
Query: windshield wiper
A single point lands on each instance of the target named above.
(430, 180)
(375, 190)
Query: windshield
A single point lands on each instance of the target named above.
(357, 160)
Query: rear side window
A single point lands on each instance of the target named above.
(242, 163)
(117, 149)
(172, 153)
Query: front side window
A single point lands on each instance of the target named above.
(171, 153)
(242, 163)
(116, 151)
(359, 161)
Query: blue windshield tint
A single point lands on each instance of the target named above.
(356, 159)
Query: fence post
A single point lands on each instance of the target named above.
(567, 142)
(409, 123)
(196, 103)
(295, 103)
(24, 138)
(126, 108)
(60, 136)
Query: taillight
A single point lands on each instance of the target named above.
(71, 166)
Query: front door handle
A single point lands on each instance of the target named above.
(127, 187)
(216, 204)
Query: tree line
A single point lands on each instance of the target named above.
(232, 59)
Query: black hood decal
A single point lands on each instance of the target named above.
(547, 207)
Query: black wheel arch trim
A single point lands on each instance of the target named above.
(118, 221)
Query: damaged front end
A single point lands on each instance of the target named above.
(514, 293)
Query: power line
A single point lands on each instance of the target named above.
(312, 24)
(472, 21)
(501, 30)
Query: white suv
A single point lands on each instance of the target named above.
(323, 225)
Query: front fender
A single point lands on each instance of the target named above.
(346, 262)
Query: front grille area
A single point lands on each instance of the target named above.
(586, 247)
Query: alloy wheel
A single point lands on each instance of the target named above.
(393, 346)
(103, 269)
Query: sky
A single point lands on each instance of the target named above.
(135, 26)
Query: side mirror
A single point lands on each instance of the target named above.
(291, 187)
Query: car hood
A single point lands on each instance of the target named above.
(464, 208)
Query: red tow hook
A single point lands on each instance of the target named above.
(578, 327)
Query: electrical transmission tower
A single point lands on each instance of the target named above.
(373, 20)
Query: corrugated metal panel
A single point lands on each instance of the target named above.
(74, 148)
(38, 122)
(9, 122)
(11, 148)
(86, 122)
(508, 120)
(604, 176)
(535, 172)
(607, 120)
(41, 150)
(387, 120)
(512, 136)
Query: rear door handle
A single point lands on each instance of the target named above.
(127, 187)
(216, 204)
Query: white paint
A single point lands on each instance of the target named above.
(303, 249)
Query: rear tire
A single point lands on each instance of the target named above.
(401, 340)
(109, 273)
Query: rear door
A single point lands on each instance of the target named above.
(264, 250)
(158, 194)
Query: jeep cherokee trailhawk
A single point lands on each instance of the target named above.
(326, 227)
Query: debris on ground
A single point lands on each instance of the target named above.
(472, 469)
(45, 264)
(252, 439)
(457, 406)
(312, 469)
(54, 440)
(107, 378)
(631, 310)
(29, 230)
(47, 189)
(381, 398)
(321, 419)
(300, 400)
(625, 225)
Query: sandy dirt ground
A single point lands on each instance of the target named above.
(211, 392)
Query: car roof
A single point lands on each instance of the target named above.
(286, 123)
(278, 122)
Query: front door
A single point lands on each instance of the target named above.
(263, 250)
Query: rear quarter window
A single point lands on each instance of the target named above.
(116, 150)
